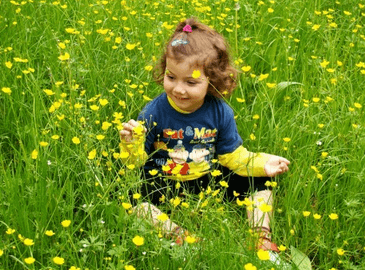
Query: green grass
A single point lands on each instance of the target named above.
(321, 114)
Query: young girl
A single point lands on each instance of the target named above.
(189, 134)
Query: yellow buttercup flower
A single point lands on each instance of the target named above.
(29, 260)
(64, 57)
(49, 233)
(196, 74)
(34, 154)
(10, 231)
(250, 266)
(163, 217)
(28, 242)
(6, 90)
(66, 223)
(126, 206)
(138, 240)
(190, 239)
(263, 255)
(58, 260)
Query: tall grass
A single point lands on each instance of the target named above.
(46, 179)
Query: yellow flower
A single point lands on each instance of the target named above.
(58, 260)
(48, 92)
(75, 140)
(270, 10)
(8, 64)
(250, 266)
(241, 100)
(357, 105)
(66, 223)
(61, 45)
(190, 239)
(265, 207)
(92, 154)
(216, 173)
(317, 216)
(223, 184)
(136, 196)
(286, 139)
(163, 217)
(126, 206)
(44, 144)
(49, 233)
(129, 267)
(319, 176)
(106, 125)
(10, 231)
(64, 57)
(196, 74)
(6, 90)
(306, 213)
(103, 102)
(246, 68)
(252, 137)
(28, 242)
(1, 252)
(131, 166)
(153, 172)
(316, 27)
(148, 68)
(263, 76)
(263, 255)
(282, 248)
(94, 107)
(333, 216)
(100, 137)
(340, 251)
(256, 116)
(176, 201)
(29, 260)
(130, 46)
(316, 99)
(138, 240)
(34, 154)
(324, 63)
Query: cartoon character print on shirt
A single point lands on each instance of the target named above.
(199, 156)
(179, 156)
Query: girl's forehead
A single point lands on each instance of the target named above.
(185, 65)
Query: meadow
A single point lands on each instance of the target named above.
(72, 71)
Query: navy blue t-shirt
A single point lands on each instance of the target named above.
(183, 144)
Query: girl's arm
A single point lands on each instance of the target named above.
(246, 163)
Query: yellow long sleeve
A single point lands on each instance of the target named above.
(245, 163)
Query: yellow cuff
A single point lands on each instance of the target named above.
(245, 163)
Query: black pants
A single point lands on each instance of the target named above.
(157, 187)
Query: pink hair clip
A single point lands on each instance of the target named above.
(187, 28)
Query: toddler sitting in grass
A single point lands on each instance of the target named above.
(188, 134)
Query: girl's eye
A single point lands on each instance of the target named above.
(191, 83)
(170, 77)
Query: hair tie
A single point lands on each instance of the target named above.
(187, 28)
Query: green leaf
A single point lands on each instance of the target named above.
(283, 85)
(300, 259)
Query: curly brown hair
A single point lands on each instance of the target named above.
(209, 51)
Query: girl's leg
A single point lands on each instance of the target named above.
(150, 212)
(258, 218)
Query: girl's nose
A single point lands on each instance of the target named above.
(179, 89)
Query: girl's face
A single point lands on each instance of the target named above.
(186, 92)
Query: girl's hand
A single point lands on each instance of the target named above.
(276, 165)
(129, 131)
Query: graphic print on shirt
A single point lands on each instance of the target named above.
(189, 150)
